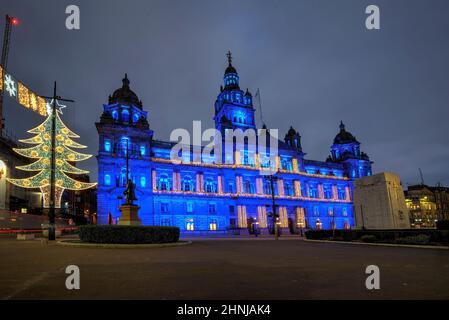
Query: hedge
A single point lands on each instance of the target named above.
(386, 236)
(128, 234)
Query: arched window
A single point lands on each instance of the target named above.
(142, 150)
(115, 115)
(164, 183)
(143, 182)
(125, 115)
(187, 184)
(136, 117)
(107, 145)
(107, 179)
(123, 177)
(124, 145)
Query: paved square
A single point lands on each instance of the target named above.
(223, 269)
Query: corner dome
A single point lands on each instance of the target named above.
(344, 137)
(125, 95)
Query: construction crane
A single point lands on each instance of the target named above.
(10, 21)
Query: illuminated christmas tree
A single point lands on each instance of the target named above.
(64, 156)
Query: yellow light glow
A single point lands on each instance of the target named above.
(59, 149)
(24, 98)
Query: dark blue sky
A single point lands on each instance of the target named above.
(314, 62)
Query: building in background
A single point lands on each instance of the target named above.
(13, 198)
(427, 205)
(204, 196)
(379, 202)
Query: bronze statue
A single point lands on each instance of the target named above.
(129, 193)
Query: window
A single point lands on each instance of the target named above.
(125, 145)
(125, 115)
(327, 192)
(163, 183)
(189, 206)
(313, 192)
(142, 150)
(164, 207)
(166, 222)
(143, 182)
(316, 211)
(267, 187)
(330, 211)
(341, 194)
(248, 188)
(135, 117)
(318, 224)
(107, 179)
(209, 185)
(190, 225)
(212, 208)
(287, 189)
(107, 145)
(123, 178)
(115, 115)
(345, 212)
(230, 188)
(231, 210)
(213, 225)
(187, 184)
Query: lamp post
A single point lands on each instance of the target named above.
(51, 213)
(271, 178)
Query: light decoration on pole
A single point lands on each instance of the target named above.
(42, 152)
(22, 94)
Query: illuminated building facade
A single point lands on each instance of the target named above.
(204, 196)
(427, 205)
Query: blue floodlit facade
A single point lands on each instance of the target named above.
(203, 196)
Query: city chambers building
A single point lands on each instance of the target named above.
(203, 196)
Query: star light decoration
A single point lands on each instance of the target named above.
(10, 85)
(64, 157)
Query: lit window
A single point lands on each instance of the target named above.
(213, 225)
(115, 115)
(135, 117)
(143, 182)
(187, 184)
(142, 150)
(107, 179)
(107, 145)
(163, 183)
(189, 206)
(125, 145)
(125, 115)
(190, 226)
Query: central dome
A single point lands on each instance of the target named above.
(125, 95)
(344, 137)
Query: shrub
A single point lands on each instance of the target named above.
(443, 225)
(419, 239)
(128, 234)
(368, 238)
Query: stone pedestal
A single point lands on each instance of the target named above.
(264, 231)
(129, 215)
